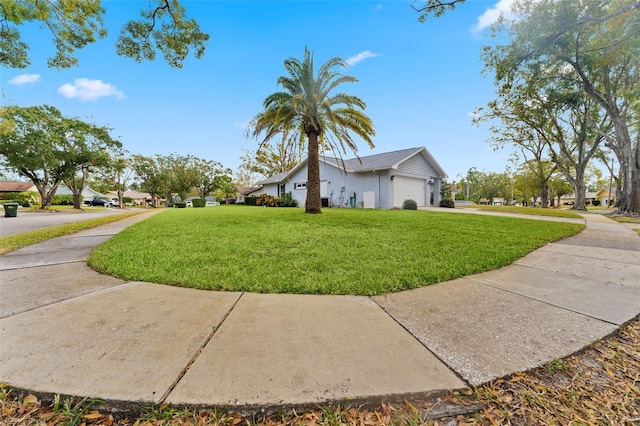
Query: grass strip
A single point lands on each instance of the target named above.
(342, 251)
(13, 242)
(535, 211)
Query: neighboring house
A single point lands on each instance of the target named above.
(603, 196)
(589, 198)
(5, 187)
(211, 200)
(245, 191)
(137, 198)
(88, 194)
(375, 181)
(8, 187)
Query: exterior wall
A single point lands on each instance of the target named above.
(376, 182)
(417, 166)
(270, 189)
(340, 185)
(335, 180)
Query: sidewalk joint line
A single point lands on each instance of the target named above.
(76, 296)
(13, 268)
(561, 242)
(564, 308)
(199, 351)
(458, 375)
(566, 274)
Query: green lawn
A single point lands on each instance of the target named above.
(536, 211)
(343, 251)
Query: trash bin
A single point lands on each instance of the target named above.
(11, 209)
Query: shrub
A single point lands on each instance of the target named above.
(596, 203)
(447, 202)
(286, 200)
(270, 201)
(199, 202)
(62, 200)
(21, 198)
(409, 205)
(180, 205)
(250, 200)
(266, 200)
(127, 200)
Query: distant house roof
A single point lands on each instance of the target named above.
(246, 190)
(16, 186)
(132, 194)
(382, 161)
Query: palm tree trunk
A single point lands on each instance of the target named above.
(313, 205)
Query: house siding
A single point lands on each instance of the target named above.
(417, 166)
(338, 185)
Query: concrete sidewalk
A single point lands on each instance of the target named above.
(66, 329)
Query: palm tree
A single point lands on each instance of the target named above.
(227, 190)
(306, 104)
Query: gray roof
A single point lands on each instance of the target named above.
(275, 178)
(383, 161)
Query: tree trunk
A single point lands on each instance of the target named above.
(579, 191)
(43, 197)
(46, 196)
(629, 197)
(76, 200)
(313, 204)
(544, 194)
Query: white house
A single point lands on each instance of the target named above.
(375, 181)
(88, 194)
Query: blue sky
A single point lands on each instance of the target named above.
(420, 81)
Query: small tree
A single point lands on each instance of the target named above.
(227, 190)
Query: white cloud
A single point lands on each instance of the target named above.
(491, 15)
(361, 57)
(19, 80)
(89, 90)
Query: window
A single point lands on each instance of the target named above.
(300, 185)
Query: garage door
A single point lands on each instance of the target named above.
(405, 188)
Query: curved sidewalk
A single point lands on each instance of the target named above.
(65, 329)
